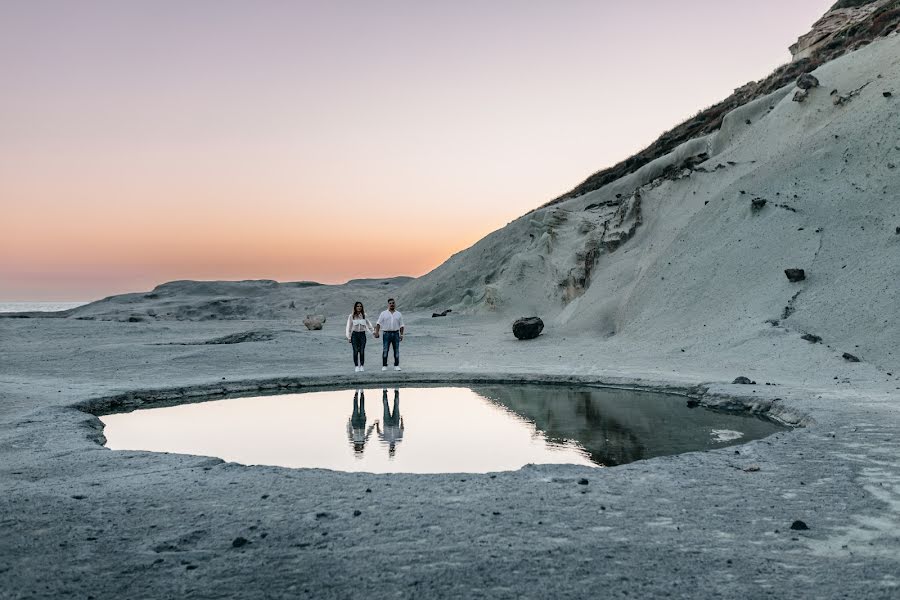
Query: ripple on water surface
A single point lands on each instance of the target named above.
(435, 429)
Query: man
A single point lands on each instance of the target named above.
(391, 322)
(392, 434)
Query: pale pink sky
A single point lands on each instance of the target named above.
(142, 142)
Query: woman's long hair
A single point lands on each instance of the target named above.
(361, 312)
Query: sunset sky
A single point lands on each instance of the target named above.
(142, 142)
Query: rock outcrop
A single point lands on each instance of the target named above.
(829, 28)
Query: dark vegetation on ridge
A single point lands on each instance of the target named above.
(851, 3)
(882, 22)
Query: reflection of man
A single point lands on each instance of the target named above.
(356, 426)
(392, 434)
(390, 324)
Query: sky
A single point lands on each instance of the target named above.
(148, 141)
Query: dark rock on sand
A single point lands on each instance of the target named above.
(813, 339)
(795, 275)
(849, 357)
(239, 542)
(758, 203)
(442, 314)
(743, 381)
(528, 328)
(240, 338)
(799, 525)
(807, 81)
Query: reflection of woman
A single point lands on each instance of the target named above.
(392, 434)
(356, 426)
(357, 325)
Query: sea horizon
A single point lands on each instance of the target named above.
(15, 306)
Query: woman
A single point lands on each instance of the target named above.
(357, 325)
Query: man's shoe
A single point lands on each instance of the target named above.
(356, 369)
(384, 368)
(397, 368)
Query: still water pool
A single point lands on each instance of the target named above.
(473, 429)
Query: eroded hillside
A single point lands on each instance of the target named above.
(692, 246)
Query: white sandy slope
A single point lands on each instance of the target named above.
(703, 270)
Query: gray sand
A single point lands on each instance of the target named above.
(81, 519)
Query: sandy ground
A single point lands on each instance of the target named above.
(80, 520)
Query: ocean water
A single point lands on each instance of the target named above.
(8, 307)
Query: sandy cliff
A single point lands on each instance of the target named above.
(676, 254)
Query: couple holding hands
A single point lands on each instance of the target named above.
(389, 326)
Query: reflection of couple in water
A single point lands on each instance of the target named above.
(390, 429)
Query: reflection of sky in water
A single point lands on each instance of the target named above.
(433, 430)
(444, 429)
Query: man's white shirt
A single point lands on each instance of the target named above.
(390, 321)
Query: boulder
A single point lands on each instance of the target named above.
(799, 525)
(807, 81)
(795, 275)
(314, 322)
(849, 357)
(800, 95)
(527, 328)
(743, 381)
(442, 314)
(757, 204)
(811, 338)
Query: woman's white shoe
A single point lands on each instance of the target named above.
(356, 369)
(361, 369)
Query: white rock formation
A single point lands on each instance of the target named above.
(673, 254)
(834, 21)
